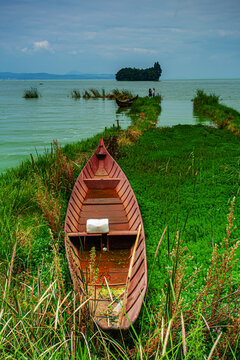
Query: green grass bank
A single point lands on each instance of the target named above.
(223, 116)
(185, 179)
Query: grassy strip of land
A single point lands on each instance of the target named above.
(144, 114)
(186, 180)
(223, 116)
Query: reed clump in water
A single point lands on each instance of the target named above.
(86, 95)
(93, 93)
(31, 93)
(76, 94)
(122, 94)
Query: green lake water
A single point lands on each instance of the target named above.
(30, 126)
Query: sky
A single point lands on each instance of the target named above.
(191, 39)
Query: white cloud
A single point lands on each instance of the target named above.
(38, 46)
(42, 45)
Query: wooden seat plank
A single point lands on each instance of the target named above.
(102, 209)
(105, 183)
(111, 218)
(100, 201)
(110, 233)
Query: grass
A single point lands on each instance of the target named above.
(185, 179)
(76, 94)
(97, 94)
(31, 93)
(224, 117)
(144, 113)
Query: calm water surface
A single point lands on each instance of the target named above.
(27, 126)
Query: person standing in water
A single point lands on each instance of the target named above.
(153, 92)
(150, 93)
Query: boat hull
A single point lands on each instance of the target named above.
(126, 103)
(110, 268)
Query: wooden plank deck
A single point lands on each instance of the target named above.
(103, 204)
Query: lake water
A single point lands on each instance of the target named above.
(27, 126)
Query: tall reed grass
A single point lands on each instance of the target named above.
(39, 318)
(76, 94)
(93, 93)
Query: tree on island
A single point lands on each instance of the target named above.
(133, 74)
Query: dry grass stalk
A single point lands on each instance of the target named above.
(50, 207)
(62, 173)
(160, 241)
(214, 347)
(11, 265)
(166, 338)
(108, 288)
(183, 335)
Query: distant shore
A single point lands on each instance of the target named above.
(46, 76)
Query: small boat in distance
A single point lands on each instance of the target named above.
(105, 242)
(126, 103)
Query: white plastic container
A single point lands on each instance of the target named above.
(97, 226)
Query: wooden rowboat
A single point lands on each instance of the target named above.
(126, 103)
(109, 267)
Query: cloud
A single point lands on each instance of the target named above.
(171, 32)
(38, 46)
(144, 51)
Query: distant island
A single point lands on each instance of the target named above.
(133, 74)
(46, 76)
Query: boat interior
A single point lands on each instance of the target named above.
(112, 249)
